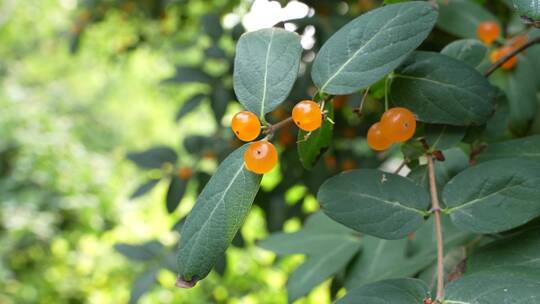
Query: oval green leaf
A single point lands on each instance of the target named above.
(216, 217)
(371, 46)
(265, 68)
(494, 196)
(442, 90)
(471, 51)
(526, 147)
(399, 291)
(384, 205)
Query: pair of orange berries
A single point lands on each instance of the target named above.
(488, 32)
(396, 125)
(261, 156)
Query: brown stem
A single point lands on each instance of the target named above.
(358, 110)
(273, 128)
(403, 163)
(520, 49)
(436, 209)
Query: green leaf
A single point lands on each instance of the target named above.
(442, 90)
(442, 137)
(494, 196)
(153, 158)
(319, 267)
(216, 217)
(520, 88)
(471, 51)
(189, 75)
(144, 283)
(175, 193)
(144, 188)
(318, 234)
(211, 24)
(452, 259)
(384, 205)
(191, 104)
(462, 17)
(265, 68)
(219, 101)
(371, 46)
(400, 291)
(524, 148)
(528, 8)
(522, 249)
(511, 285)
(141, 252)
(312, 149)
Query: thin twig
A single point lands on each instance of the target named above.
(520, 49)
(358, 110)
(273, 128)
(436, 209)
(403, 163)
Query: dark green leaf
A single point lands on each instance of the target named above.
(211, 24)
(494, 196)
(442, 137)
(142, 252)
(175, 193)
(191, 104)
(265, 68)
(143, 284)
(221, 264)
(511, 285)
(144, 188)
(462, 17)
(153, 158)
(522, 249)
(471, 51)
(451, 260)
(371, 46)
(400, 291)
(384, 205)
(216, 217)
(312, 149)
(442, 90)
(524, 148)
(221, 97)
(528, 8)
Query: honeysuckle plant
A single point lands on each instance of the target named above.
(460, 226)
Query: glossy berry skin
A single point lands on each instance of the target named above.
(502, 52)
(376, 140)
(398, 124)
(307, 115)
(260, 157)
(246, 126)
(488, 31)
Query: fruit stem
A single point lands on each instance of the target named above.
(501, 61)
(273, 128)
(436, 209)
(386, 92)
(358, 110)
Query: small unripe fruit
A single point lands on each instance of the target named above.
(260, 157)
(398, 124)
(376, 140)
(246, 126)
(184, 173)
(307, 115)
(488, 31)
(348, 165)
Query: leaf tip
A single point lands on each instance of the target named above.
(181, 283)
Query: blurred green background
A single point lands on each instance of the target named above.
(82, 84)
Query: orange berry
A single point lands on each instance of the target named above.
(330, 162)
(519, 41)
(340, 101)
(398, 124)
(246, 126)
(488, 31)
(184, 173)
(497, 54)
(307, 115)
(348, 165)
(260, 157)
(376, 140)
